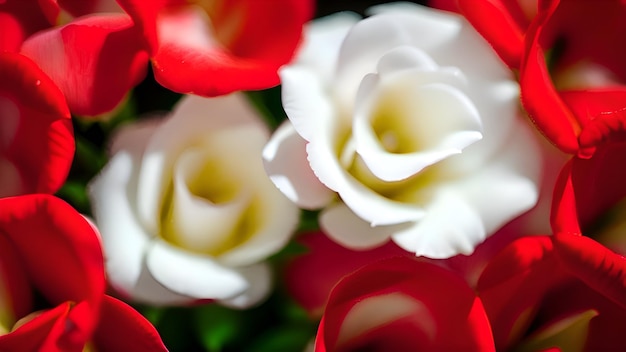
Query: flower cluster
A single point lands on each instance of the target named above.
(227, 175)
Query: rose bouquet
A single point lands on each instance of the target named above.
(292, 175)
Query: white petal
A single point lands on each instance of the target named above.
(192, 275)
(149, 291)
(196, 222)
(124, 240)
(367, 204)
(450, 226)
(286, 163)
(322, 40)
(507, 186)
(193, 118)
(305, 100)
(259, 278)
(275, 219)
(350, 231)
(423, 124)
(405, 57)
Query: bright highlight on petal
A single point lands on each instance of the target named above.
(416, 131)
(191, 195)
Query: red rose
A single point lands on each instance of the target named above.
(94, 60)
(52, 284)
(218, 47)
(563, 291)
(402, 304)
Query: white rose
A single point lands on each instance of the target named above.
(185, 209)
(403, 125)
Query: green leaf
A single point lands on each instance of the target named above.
(283, 338)
(218, 327)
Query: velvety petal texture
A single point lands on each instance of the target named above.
(406, 128)
(216, 47)
(62, 259)
(402, 304)
(123, 328)
(36, 135)
(94, 60)
(185, 208)
(585, 68)
(565, 291)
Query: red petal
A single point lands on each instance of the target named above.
(501, 23)
(39, 334)
(11, 33)
(60, 250)
(121, 328)
(594, 264)
(94, 60)
(603, 113)
(587, 188)
(233, 45)
(311, 276)
(564, 213)
(32, 16)
(36, 134)
(451, 307)
(15, 291)
(539, 96)
(513, 284)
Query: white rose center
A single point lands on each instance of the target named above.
(209, 207)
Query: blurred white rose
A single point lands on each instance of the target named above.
(185, 209)
(403, 125)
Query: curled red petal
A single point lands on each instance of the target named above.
(564, 213)
(36, 136)
(121, 328)
(15, 291)
(94, 60)
(42, 333)
(587, 188)
(60, 250)
(513, 284)
(501, 23)
(449, 307)
(605, 112)
(216, 49)
(594, 264)
(539, 96)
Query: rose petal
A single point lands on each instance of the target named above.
(259, 278)
(35, 117)
(347, 229)
(123, 328)
(94, 60)
(594, 264)
(408, 125)
(435, 236)
(428, 286)
(285, 162)
(192, 275)
(124, 239)
(250, 42)
(172, 136)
